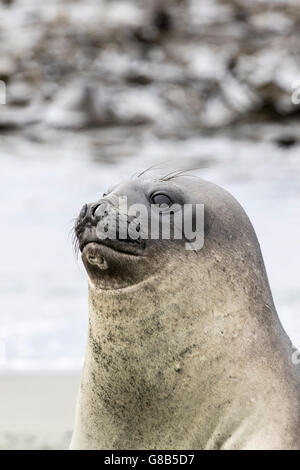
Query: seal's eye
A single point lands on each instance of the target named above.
(161, 199)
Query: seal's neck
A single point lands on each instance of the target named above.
(157, 375)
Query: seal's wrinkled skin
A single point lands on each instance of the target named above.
(185, 349)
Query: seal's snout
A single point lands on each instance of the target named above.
(93, 212)
(90, 214)
(103, 217)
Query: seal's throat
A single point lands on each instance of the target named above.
(148, 367)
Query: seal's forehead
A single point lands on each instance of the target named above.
(181, 189)
(198, 190)
(188, 189)
(143, 185)
(132, 188)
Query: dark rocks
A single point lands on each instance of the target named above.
(169, 66)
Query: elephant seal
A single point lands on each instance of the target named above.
(185, 349)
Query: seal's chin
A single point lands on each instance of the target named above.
(112, 265)
(94, 256)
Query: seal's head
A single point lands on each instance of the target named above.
(129, 257)
(132, 258)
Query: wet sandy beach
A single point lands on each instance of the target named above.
(37, 410)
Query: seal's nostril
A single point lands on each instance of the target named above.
(99, 209)
(93, 211)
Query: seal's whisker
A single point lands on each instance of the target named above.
(71, 233)
(191, 176)
(76, 248)
(175, 173)
(147, 169)
(156, 166)
(75, 241)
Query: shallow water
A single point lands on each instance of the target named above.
(44, 182)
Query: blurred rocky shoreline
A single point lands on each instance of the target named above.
(175, 69)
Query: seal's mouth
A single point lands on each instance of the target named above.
(123, 247)
(110, 261)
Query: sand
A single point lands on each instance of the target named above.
(37, 410)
